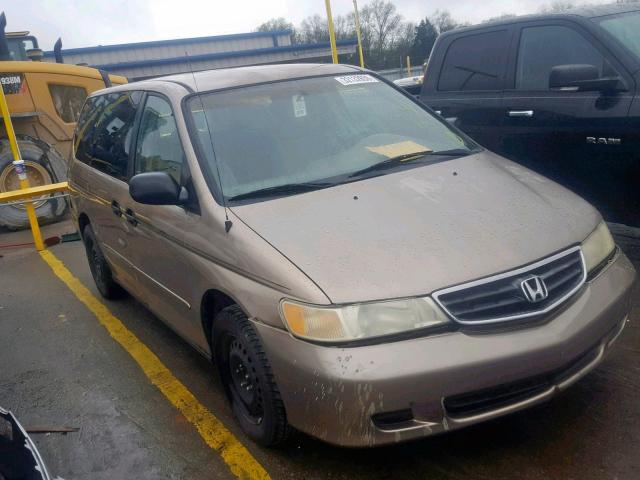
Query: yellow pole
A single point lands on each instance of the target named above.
(358, 35)
(408, 66)
(18, 164)
(332, 33)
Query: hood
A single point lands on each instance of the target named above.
(421, 229)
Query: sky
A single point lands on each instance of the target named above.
(83, 23)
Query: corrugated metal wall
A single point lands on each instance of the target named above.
(134, 53)
(149, 59)
(144, 71)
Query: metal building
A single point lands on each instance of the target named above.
(150, 59)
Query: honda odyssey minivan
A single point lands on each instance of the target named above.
(355, 267)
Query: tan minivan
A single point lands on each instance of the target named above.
(357, 268)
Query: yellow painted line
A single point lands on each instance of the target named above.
(215, 434)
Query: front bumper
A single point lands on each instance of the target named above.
(387, 393)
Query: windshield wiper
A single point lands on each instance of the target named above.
(455, 152)
(393, 161)
(286, 189)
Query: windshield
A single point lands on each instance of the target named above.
(625, 28)
(313, 131)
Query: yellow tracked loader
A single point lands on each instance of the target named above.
(44, 101)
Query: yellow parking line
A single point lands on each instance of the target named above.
(215, 434)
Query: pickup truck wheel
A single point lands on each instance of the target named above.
(247, 378)
(99, 267)
(43, 166)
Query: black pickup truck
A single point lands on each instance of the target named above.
(555, 92)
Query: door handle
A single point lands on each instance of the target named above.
(115, 207)
(131, 217)
(521, 113)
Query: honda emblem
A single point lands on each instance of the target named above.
(534, 289)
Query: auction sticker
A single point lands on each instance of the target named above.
(11, 83)
(355, 79)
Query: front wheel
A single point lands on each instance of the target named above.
(247, 378)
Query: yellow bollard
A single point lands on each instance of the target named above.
(332, 33)
(358, 35)
(20, 169)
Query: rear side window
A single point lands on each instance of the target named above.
(159, 148)
(68, 100)
(103, 135)
(542, 48)
(475, 62)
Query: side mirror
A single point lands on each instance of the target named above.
(582, 78)
(157, 188)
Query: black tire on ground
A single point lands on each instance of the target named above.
(247, 378)
(99, 267)
(47, 165)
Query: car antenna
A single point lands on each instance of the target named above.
(227, 223)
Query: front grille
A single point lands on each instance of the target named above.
(501, 297)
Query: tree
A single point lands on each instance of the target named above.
(386, 38)
(443, 21)
(315, 28)
(384, 21)
(276, 24)
(382, 29)
(558, 6)
(402, 42)
(427, 32)
(425, 37)
(503, 16)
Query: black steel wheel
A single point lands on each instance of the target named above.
(244, 383)
(247, 378)
(99, 267)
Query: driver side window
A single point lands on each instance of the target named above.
(159, 148)
(542, 48)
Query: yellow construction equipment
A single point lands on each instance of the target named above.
(44, 101)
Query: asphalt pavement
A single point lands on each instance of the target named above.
(60, 367)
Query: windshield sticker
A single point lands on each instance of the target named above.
(395, 149)
(299, 106)
(355, 79)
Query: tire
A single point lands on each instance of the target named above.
(247, 378)
(99, 267)
(44, 165)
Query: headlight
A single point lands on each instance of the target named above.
(598, 246)
(365, 320)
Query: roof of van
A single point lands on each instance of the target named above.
(233, 77)
(583, 11)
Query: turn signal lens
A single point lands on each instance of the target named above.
(309, 322)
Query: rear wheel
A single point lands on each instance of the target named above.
(43, 166)
(247, 378)
(99, 267)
